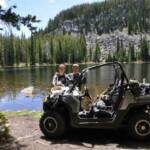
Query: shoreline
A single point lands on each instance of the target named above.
(38, 66)
(23, 66)
(24, 112)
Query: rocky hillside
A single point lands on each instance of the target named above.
(108, 41)
(106, 23)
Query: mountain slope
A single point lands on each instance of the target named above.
(104, 17)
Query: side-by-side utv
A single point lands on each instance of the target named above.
(124, 103)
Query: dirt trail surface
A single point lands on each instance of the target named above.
(27, 136)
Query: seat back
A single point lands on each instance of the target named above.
(118, 93)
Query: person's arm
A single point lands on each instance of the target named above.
(69, 78)
(54, 81)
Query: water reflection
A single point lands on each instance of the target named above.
(138, 71)
(21, 102)
(12, 81)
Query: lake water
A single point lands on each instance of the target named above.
(12, 81)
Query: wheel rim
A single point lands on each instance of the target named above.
(142, 128)
(50, 124)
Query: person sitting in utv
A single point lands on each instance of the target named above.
(59, 79)
(75, 76)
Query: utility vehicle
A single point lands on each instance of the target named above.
(124, 103)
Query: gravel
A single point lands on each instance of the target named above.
(26, 135)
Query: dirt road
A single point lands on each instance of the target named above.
(27, 136)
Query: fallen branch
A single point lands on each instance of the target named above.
(26, 137)
(42, 143)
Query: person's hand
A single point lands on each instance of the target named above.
(59, 84)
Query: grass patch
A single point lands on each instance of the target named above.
(36, 114)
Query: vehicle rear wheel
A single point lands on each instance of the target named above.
(52, 125)
(139, 126)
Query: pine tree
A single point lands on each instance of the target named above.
(97, 53)
(11, 50)
(83, 50)
(61, 54)
(51, 51)
(1, 51)
(26, 52)
(32, 51)
(17, 53)
(40, 53)
(131, 52)
(6, 51)
(90, 54)
(109, 58)
(121, 55)
(118, 45)
(144, 49)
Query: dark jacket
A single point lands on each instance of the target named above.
(57, 79)
(73, 77)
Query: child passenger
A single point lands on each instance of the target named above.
(60, 78)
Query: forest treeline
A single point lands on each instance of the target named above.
(42, 49)
(106, 16)
(131, 54)
(54, 49)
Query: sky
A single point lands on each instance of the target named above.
(43, 9)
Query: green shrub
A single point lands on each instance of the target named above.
(4, 131)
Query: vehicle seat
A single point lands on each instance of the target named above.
(117, 94)
(115, 97)
(106, 112)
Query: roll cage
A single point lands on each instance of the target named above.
(116, 65)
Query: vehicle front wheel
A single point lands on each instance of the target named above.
(139, 126)
(52, 125)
